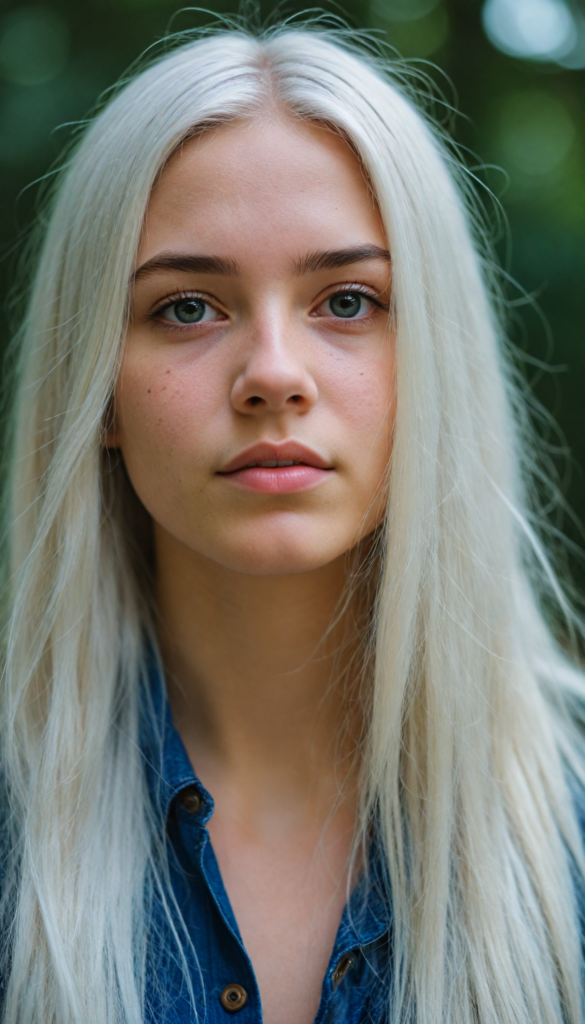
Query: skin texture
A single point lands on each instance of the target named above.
(248, 582)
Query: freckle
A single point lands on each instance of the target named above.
(148, 392)
(165, 388)
(168, 371)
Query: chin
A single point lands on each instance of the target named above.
(275, 563)
(275, 553)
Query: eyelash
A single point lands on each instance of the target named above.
(339, 289)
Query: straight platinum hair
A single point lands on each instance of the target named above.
(473, 735)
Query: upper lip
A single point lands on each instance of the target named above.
(269, 451)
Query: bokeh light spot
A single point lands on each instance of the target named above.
(533, 29)
(536, 132)
(34, 46)
(575, 58)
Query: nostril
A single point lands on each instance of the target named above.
(254, 400)
(296, 398)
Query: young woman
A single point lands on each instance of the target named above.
(269, 543)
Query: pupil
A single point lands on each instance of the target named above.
(346, 305)
(189, 311)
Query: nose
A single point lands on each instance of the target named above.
(275, 375)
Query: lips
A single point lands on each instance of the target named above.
(285, 468)
(268, 455)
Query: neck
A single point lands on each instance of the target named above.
(253, 671)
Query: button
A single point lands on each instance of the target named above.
(342, 968)
(233, 998)
(191, 800)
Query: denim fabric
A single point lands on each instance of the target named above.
(218, 957)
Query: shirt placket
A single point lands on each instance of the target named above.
(231, 986)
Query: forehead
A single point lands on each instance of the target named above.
(257, 181)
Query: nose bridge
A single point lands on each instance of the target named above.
(274, 369)
(275, 340)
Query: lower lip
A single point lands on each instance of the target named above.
(277, 480)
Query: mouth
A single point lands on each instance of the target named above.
(273, 464)
(282, 468)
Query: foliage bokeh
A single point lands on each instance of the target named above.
(523, 117)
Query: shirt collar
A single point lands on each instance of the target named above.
(367, 916)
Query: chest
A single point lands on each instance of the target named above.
(288, 900)
(281, 943)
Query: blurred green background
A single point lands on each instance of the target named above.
(515, 70)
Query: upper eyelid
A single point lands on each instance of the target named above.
(352, 285)
(169, 300)
(364, 289)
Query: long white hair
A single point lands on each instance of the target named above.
(473, 734)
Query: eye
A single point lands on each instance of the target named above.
(191, 309)
(350, 304)
(347, 304)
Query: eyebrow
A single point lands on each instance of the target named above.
(323, 259)
(332, 259)
(189, 264)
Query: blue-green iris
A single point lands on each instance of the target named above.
(346, 304)
(189, 311)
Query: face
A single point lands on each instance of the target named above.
(254, 406)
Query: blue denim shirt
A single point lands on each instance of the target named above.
(354, 988)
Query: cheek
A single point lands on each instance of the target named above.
(367, 395)
(163, 414)
(362, 389)
(153, 399)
